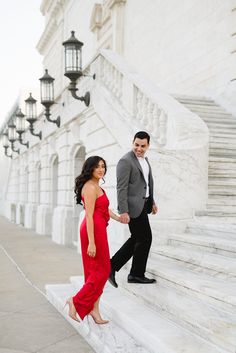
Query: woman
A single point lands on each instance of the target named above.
(93, 236)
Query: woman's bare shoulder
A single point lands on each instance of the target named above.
(89, 188)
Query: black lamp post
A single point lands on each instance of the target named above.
(73, 65)
(20, 127)
(47, 96)
(31, 114)
(5, 143)
(12, 136)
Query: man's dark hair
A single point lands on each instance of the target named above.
(142, 135)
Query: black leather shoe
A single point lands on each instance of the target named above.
(112, 279)
(143, 280)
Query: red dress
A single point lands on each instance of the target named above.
(96, 269)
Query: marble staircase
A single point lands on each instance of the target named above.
(139, 326)
(222, 155)
(192, 307)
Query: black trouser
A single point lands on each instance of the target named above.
(138, 246)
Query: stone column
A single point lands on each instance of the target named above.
(13, 192)
(44, 210)
(32, 200)
(63, 212)
(117, 7)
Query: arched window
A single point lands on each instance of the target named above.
(79, 161)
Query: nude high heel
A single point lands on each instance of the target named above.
(98, 321)
(72, 311)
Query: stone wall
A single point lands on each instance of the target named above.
(186, 47)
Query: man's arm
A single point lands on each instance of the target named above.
(154, 206)
(123, 170)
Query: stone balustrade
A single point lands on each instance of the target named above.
(170, 124)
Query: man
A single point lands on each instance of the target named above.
(135, 201)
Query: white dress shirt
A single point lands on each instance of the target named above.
(145, 169)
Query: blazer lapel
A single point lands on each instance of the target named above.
(148, 165)
(135, 159)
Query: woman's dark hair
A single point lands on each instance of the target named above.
(86, 174)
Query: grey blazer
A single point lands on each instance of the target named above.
(131, 186)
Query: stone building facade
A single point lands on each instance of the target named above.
(145, 55)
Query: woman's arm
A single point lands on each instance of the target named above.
(114, 216)
(90, 196)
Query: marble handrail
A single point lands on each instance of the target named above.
(172, 126)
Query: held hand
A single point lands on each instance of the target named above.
(91, 250)
(154, 209)
(124, 218)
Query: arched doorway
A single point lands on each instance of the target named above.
(54, 182)
(22, 215)
(38, 184)
(26, 185)
(79, 159)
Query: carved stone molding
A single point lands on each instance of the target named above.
(96, 17)
(107, 24)
(48, 32)
(51, 5)
(111, 3)
(51, 9)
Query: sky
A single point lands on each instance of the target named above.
(21, 26)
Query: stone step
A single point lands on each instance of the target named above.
(202, 110)
(218, 159)
(195, 100)
(222, 180)
(217, 190)
(222, 173)
(219, 245)
(220, 140)
(173, 305)
(218, 119)
(200, 260)
(222, 163)
(227, 140)
(221, 197)
(201, 107)
(228, 216)
(221, 126)
(211, 114)
(202, 103)
(207, 227)
(222, 201)
(222, 152)
(219, 133)
(216, 291)
(221, 130)
(222, 208)
(214, 112)
(133, 326)
(218, 171)
(227, 147)
(101, 339)
(223, 141)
